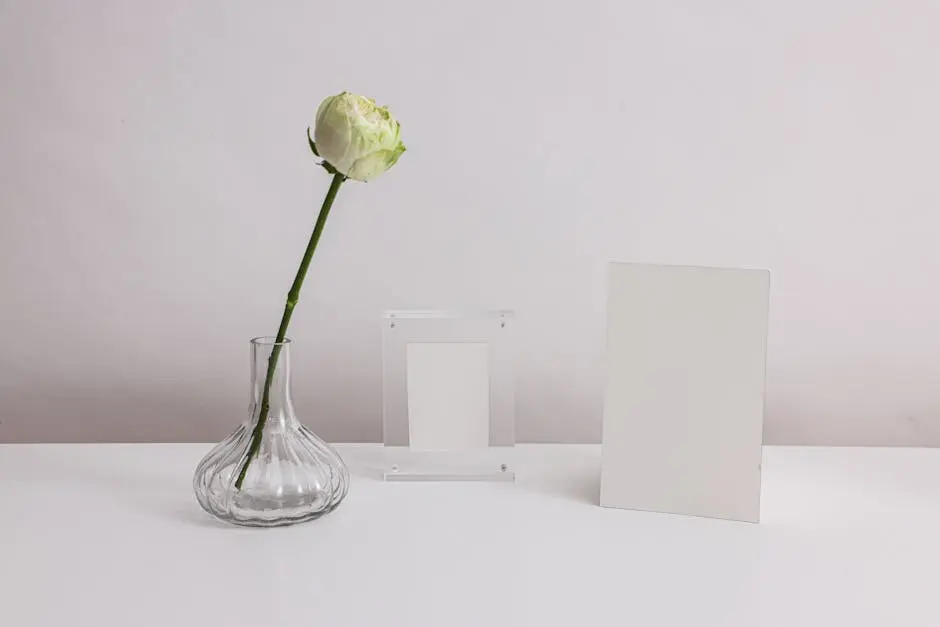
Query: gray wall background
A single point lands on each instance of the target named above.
(156, 193)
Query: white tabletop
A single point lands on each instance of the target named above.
(108, 535)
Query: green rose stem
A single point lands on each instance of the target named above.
(292, 297)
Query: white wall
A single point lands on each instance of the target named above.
(156, 194)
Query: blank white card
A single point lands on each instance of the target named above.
(684, 399)
(448, 395)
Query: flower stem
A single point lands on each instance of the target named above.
(292, 297)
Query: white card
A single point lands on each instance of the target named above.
(448, 395)
(683, 408)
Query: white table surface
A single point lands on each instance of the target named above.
(111, 535)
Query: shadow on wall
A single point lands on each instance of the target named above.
(794, 420)
(338, 410)
(551, 410)
(178, 413)
(350, 411)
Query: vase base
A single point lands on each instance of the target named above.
(279, 521)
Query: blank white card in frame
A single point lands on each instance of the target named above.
(448, 395)
(684, 399)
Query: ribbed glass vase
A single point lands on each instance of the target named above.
(272, 470)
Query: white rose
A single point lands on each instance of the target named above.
(359, 139)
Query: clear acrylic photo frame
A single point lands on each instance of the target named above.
(489, 459)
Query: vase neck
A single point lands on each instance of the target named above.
(278, 397)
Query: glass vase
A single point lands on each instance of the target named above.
(271, 470)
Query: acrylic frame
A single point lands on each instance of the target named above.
(486, 463)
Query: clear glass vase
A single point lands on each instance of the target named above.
(275, 473)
